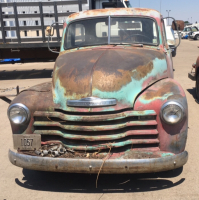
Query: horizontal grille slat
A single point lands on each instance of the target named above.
(94, 131)
(96, 128)
(97, 137)
(105, 145)
(93, 118)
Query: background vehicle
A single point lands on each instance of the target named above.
(188, 30)
(194, 35)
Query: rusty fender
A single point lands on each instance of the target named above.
(111, 166)
(172, 137)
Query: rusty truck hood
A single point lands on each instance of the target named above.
(120, 73)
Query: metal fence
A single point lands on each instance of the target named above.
(33, 42)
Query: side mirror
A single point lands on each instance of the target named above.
(49, 31)
(178, 25)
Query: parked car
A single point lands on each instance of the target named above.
(112, 106)
(194, 76)
(188, 30)
(194, 35)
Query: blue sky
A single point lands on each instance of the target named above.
(180, 10)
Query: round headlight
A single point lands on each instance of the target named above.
(172, 112)
(18, 113)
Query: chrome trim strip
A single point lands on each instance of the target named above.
(91, 102)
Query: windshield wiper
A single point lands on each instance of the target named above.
(137, 45)
(134, 45)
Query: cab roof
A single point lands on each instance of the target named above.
(115, 11)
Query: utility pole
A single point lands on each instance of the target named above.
(160, 5)
(168, 15)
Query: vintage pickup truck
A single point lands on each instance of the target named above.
(112, 105)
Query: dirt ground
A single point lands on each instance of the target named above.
(18, 183)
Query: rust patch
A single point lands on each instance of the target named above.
(74, 72)
(115, 81)
(110, 69)
(142, 71)
(112, 11)
(92, 60)
(111, 82)
(141, 155)
(143, 9)
(164, 89)
(72, 85)
(175, 96)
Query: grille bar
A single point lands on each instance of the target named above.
(95, 128)
(98, 137)
(103, 146)
(94, 131)
(93, 118)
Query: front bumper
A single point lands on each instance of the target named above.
(111, 166)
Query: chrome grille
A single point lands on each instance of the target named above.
(86, 131)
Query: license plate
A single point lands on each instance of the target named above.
(27, 141)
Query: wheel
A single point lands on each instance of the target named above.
(197, 88)
(197, 37)
(174, 53)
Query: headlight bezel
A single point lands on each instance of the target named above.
(172, 103)
(24, 108)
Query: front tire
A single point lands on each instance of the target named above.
(197, 37)
(174, 52)
(197, 88)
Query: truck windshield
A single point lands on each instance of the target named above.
(194, 29)
(87, 32)
(133, 30)
(120, 30)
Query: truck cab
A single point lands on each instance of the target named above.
(112, 100)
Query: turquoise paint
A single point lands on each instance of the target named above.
(129, 92)
(166, 154)
(59, 95)
(164, 97)
(126, 95)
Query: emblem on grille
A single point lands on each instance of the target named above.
(91, 102)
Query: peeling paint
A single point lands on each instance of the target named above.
(137, 77)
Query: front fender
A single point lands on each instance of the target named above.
(172, 137)
(38, 97)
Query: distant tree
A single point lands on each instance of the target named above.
(186, 22)
(196, 22)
